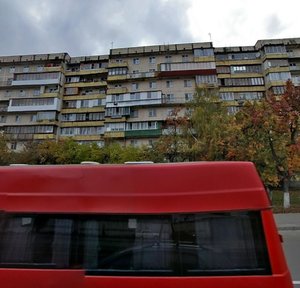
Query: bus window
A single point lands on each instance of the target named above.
(192, 244)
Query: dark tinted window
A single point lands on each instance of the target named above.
(172, 244)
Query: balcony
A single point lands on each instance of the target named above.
(5, 83)
(295, 68)
(20, 107)
(117, 90)
(3, 108)
(122, 64)
(142, 75)
(275, 56)
(84, 137)
(86, 84)
(120, 77)
(114, 134)
(53, 69)
(238, 62)
(271, 83)
(144, 98)
(82, 124)
(47, 122)
(277, 69)
(115, 120)
(37, 82)
(296, 80)
(20, 136)
(83, 109)
(143, 133)
(44, 136)
(86, 72)
(187, 68)
(243, 89)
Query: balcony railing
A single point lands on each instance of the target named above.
(143, 133)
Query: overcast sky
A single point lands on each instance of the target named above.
(92, 27)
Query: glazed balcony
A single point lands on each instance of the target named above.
(144, 98)
(187, 68)
(32, 104)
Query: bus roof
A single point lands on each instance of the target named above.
(149, 188)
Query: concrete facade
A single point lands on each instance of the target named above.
(127, 95)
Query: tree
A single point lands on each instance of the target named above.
(5, 155)
(66, 151)
(210, 126)
(287, 112)
(172, 145)
(269, 136)
(28, 155)
(252, 140)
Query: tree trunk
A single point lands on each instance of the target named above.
(286, 194)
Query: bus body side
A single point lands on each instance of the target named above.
(164, 225)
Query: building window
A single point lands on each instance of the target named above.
(134, 86)
(278, 90)
(134, 143)
(18, 118)
(134, 113)
(39, 68)
(152, 112)
(275, 49)
(136, 61)
(169, 83)
(26, 69)
(117, 71)
(13, 145)
(2, 119)
(206, 79)
(188, 96)
(84, 103)
(279, 76)
(170, 98)
(152, 60)
(22, 93)
(168, 58)
(152, 85)
(36, 92)
(185, 58)
(226, 96)
(233, 110)
(203, 52)
(33, 118)
(12, 69)
(188, 83)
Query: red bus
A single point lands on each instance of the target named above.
(205, 225)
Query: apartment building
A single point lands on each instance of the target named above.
(127, 95)
(83, 105)
(31, 92)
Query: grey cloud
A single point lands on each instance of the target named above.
(89, 27)
(273, 25)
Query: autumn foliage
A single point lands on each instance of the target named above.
(265, 132)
